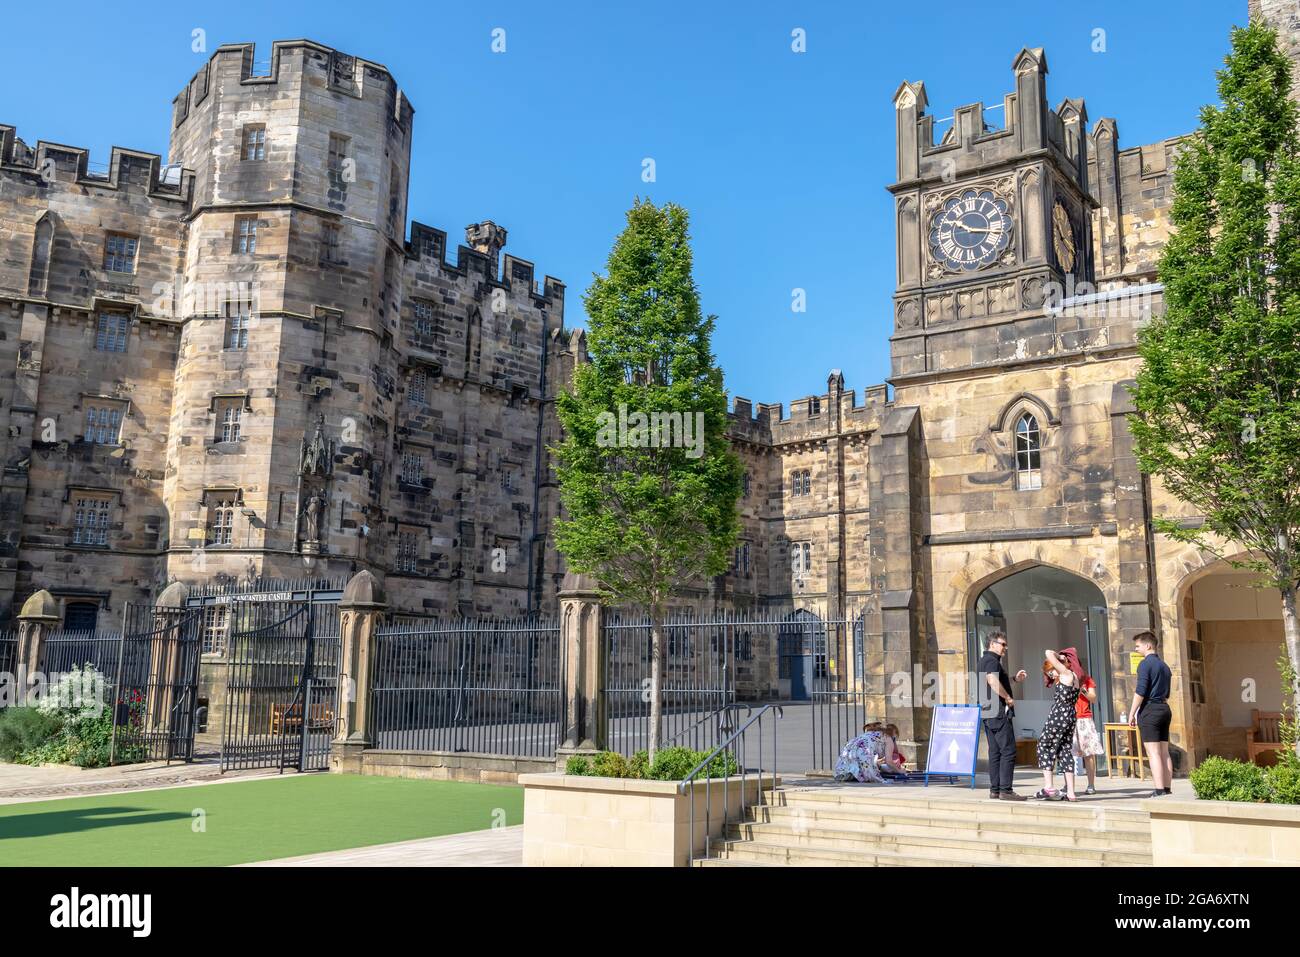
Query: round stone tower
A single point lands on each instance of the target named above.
(291, 296)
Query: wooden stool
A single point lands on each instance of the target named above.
(1136, 755)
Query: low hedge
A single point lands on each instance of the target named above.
(1223, 779)
(670, 764)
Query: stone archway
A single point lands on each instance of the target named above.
(1230, 637)
(1039, 606)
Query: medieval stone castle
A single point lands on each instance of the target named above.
(241, 364)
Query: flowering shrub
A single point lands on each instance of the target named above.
(69, 724)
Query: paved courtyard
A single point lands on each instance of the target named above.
(494, 847)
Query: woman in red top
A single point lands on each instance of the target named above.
(1087, 742)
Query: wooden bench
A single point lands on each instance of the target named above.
(287, 718)
(1265, 734)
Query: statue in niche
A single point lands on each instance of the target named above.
(312, 512)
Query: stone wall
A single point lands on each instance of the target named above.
(429, 374)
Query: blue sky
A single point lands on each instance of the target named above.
(781, 158)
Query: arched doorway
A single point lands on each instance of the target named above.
(1038, 608)
(1233, 637)
(801, 641)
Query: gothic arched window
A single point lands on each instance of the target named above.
(38, 276)
(1029, 453)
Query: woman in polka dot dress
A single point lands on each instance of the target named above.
(1056, 741)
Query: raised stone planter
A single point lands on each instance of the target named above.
(450, 765)
(1223, 834)
(575, 821)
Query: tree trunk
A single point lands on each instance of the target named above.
(656, 678)
(1292, 633)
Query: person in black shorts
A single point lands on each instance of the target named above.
(1150, 712)
(998, 706)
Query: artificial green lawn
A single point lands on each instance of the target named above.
(248, 820)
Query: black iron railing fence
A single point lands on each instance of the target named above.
(731, 779)
(149, 673)
(484, 685)
(818, 660)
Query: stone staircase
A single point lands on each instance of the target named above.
(851, 827)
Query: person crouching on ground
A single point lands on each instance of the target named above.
(1056, 741)
(858, 758)
(1087, 742)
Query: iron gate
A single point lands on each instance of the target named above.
(150, 673)
(282, 685)
(156, 681)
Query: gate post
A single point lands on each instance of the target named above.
(362, 610)
(585, 727)
(164, 654)
(39, 616)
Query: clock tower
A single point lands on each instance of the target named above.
(992, 224)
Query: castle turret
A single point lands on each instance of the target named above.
(291, 298)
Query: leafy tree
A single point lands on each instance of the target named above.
(1218, 394)
(647, 479)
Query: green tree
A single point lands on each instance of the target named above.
(648, 481)
(1218, 394)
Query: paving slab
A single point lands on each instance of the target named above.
(495, 847)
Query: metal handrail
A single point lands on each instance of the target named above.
(738, 736)
(732, 706)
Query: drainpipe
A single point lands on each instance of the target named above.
(537, 469)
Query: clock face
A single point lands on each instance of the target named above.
(1063, 237)
(971, 230)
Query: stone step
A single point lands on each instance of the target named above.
(975, 850)
(780, 855)
(731, 862)
(1124, 836)
(1083, 814)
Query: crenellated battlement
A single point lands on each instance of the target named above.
(343, 73)
(1028, 126)
(816, 416)
(127, 169)
(429, 244)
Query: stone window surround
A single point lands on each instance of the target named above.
(102, 421)
(70, 496)
(120, 250)
(209, 508)
(216, 624)
(331, 243)
(741, 560)
(1028, 452)
(407, 557)
(87, 399)
(244, 235)
(511, 475)
(425, 451)
(417, 388)
(801, 553)
(112, 327)
(235, 336)
(251, 143)
(223, 400)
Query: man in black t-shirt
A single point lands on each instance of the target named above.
(999, 705)
(1150, 712)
